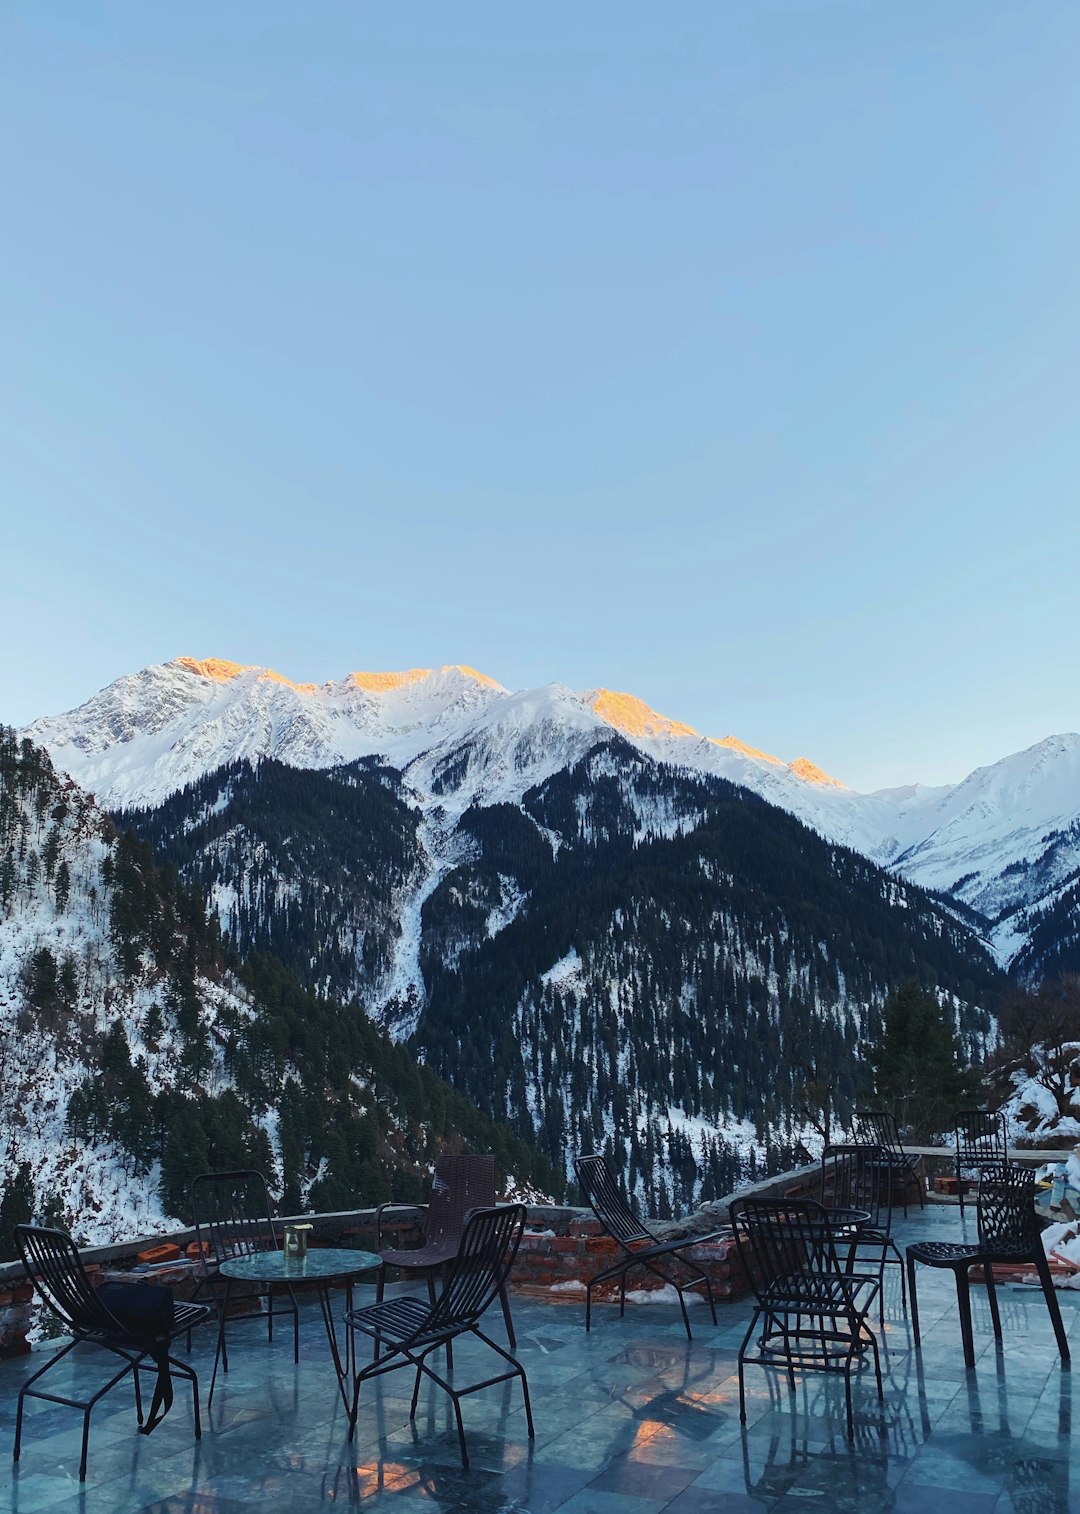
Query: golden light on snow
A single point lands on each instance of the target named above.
(735, 745)
(633, 716)
(384, 683)
(218, 670)
(803, 768)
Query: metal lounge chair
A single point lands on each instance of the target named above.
(877, 1127)
(461, 1184)
(640, 1246)
(1008, 1233)
(981, 1141)
(811, 1311)
(407, 1330)
(56, 1270)
(232, 1218)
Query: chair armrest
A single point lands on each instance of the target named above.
(380, 1209)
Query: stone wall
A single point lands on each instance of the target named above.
(561, 1250)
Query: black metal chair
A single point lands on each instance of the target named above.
(861, 1178)
(233, 1219)
(641, 1247)
(1008, 1233)
(56, 1270)
(811, 1310)
(981, 1141)
(461, 1183)
(407, 1330)
(877, 1127)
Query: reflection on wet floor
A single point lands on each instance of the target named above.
(630, 1419)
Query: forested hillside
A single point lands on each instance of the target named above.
(634, 954)
(136, 1049)
(687, 962)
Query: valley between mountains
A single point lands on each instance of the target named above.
(560, 918)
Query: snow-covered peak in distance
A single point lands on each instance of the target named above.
(1000, 840)
(150, 733)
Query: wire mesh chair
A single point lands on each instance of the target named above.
(233, 1219)
(860, 1179)
(1008, 1233)
(640, 1246)
(981, 1141)
(812, 1311)
(877, 1127)
(461, 1184)
(407, 1330)
(56, 1270)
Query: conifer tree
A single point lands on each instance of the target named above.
(916, 1066)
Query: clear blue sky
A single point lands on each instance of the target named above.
(725, 353)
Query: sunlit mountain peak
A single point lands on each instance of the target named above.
(220, 670)
(733, 744)
(803, 768)
(385, 683)
(633, 717)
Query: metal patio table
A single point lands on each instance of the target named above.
(324, 1267)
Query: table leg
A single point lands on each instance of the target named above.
(221, 1353)
(331, 1336)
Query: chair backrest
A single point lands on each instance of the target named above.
(981, 1136)
(859, 1177)
(461, 1183)
(232, 1212)
(878, 1127)
(597, 1182)
(485, 1255)
(780, 1240)
(55, 1268)
(1006, 1207)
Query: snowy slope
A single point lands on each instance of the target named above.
(1000, 840)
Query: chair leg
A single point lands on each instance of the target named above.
(742, 1363)
(913, 1296)
(507, 1321)
(960, 1188)
(963, 1303)
(1052, 1305)
(991, 1295)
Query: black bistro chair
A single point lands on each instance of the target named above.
(407, 1330)
(233, 1219)
(640, 1247)
(811, 1310)
(137, 1330)
(877, 1127)
(861, 1178)
(1008, 1232)
(461, 1183)
(981, 1141)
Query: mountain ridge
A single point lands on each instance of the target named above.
(460, 738)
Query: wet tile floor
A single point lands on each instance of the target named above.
(631, 1419)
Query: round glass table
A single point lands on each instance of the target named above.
(324, 1267)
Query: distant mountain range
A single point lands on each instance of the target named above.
(597, 925)
(1004, 843)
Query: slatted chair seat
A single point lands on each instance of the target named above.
(641, 1248)
(55, 1268)
(809, 1293)
(1008, 1232)
(407, 1330)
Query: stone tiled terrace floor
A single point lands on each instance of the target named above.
(630, 1420)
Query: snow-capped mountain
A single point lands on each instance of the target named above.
(1002, 842)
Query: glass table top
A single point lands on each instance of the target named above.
(320, 1265)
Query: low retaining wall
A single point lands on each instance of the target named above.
(561, 1251)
